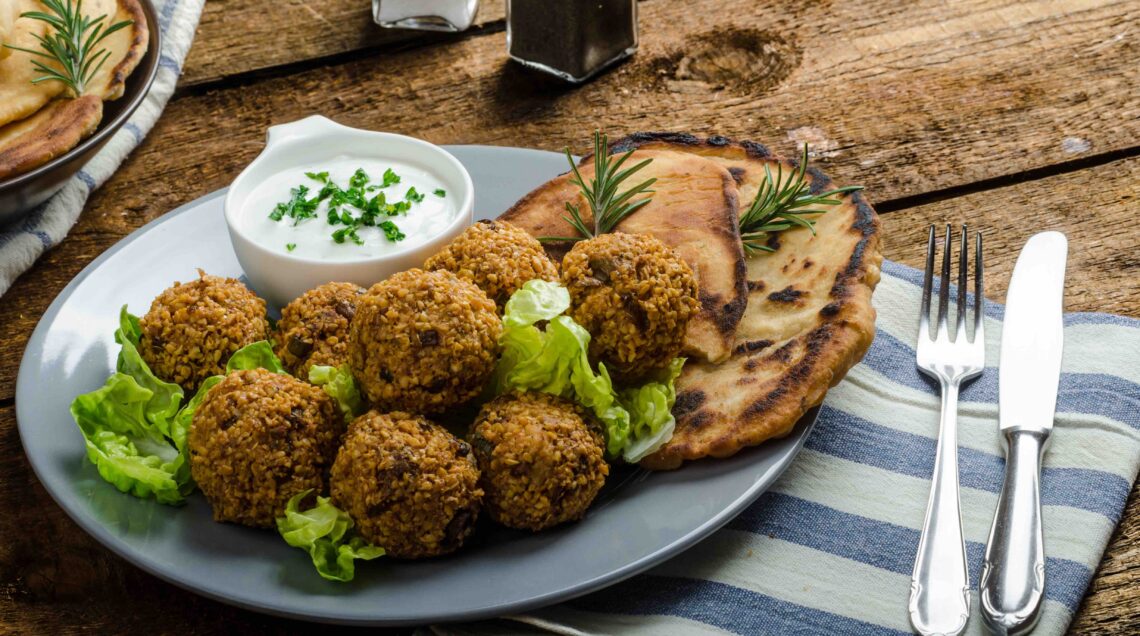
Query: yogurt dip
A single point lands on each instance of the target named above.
(288, 242)
(428, 213)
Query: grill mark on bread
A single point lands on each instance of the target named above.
(788, 294)
(752, 346)
(756, 286)
(688, 401)
(737, 174)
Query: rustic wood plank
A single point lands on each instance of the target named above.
(241, 36)
(1104, 245)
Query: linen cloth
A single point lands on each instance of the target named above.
(24, 241)
(830, 548)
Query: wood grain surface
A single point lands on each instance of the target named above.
(1013, 117)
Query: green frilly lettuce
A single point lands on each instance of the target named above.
(130, 426)
(324, 532)
(637, 420)
(135, 425)
(341, 386)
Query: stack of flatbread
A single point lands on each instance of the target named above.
(40, 121)
(776, 329)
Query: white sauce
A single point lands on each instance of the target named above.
(313, 237)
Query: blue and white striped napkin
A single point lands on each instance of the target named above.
(830, 548)
(23, 242)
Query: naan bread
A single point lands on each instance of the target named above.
(9, 11)
(693, 210)
(55, 129)
(809, 316)
(127, 46)
(19, 97)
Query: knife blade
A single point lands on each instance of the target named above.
(1012, 583)
(1031, 337)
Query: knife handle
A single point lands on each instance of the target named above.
(1012, 584)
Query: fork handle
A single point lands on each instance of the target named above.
(1013, 571)
(940, 585)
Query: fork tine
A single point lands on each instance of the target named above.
(963, 265)
(927, 281)
(944, 288)
(979, 296)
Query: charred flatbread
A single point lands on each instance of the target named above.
(808, 320)
(694, 211)
(55, 129)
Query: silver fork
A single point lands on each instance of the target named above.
(940, 585)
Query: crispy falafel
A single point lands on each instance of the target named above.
(193, 328)
(423, 341)
(257, 439)
(542, 459)
(635, 296)
(498, 257)
(409, 485)
(313, 329)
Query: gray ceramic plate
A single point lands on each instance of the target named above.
(640, 519)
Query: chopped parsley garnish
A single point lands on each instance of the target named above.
(350, 208)
(440, 192)
(297, 207)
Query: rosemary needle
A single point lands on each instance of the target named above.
(781, 205)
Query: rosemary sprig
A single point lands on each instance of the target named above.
(608, 204)
(781, 205)
(71, 44)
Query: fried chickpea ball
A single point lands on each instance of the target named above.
(496, 256)
(423, 341)
(409, 485)
(257, 439)
(542, 459)
(635, 296)
(313, 329)
(193, 328)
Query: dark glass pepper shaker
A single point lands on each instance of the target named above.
(573, 39)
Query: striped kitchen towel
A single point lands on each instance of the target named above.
(829, 549)
(23, 242)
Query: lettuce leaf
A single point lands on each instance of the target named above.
(650, 409)
(258, 355)
(133, 426)
(341, 386)
(555, 360)
(323, 532)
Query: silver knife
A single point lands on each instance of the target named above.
(1012, 584)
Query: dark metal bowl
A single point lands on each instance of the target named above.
(22, 193)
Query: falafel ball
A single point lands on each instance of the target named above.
(542, 457)
(411, 487)
(635, 296)
(313, 329)
(257, 439)
(423, 341)
(193, 328)
(496, 256)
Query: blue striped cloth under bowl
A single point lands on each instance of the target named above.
(830, 548)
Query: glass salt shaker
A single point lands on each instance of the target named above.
(425, 15)
(573, 39)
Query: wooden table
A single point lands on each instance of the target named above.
(1012, 117)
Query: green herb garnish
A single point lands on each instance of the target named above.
(440, 192)
(70, 48)
(607, 204)
(289, 247)
(342, 202)
(780, 205)
(297, 207)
